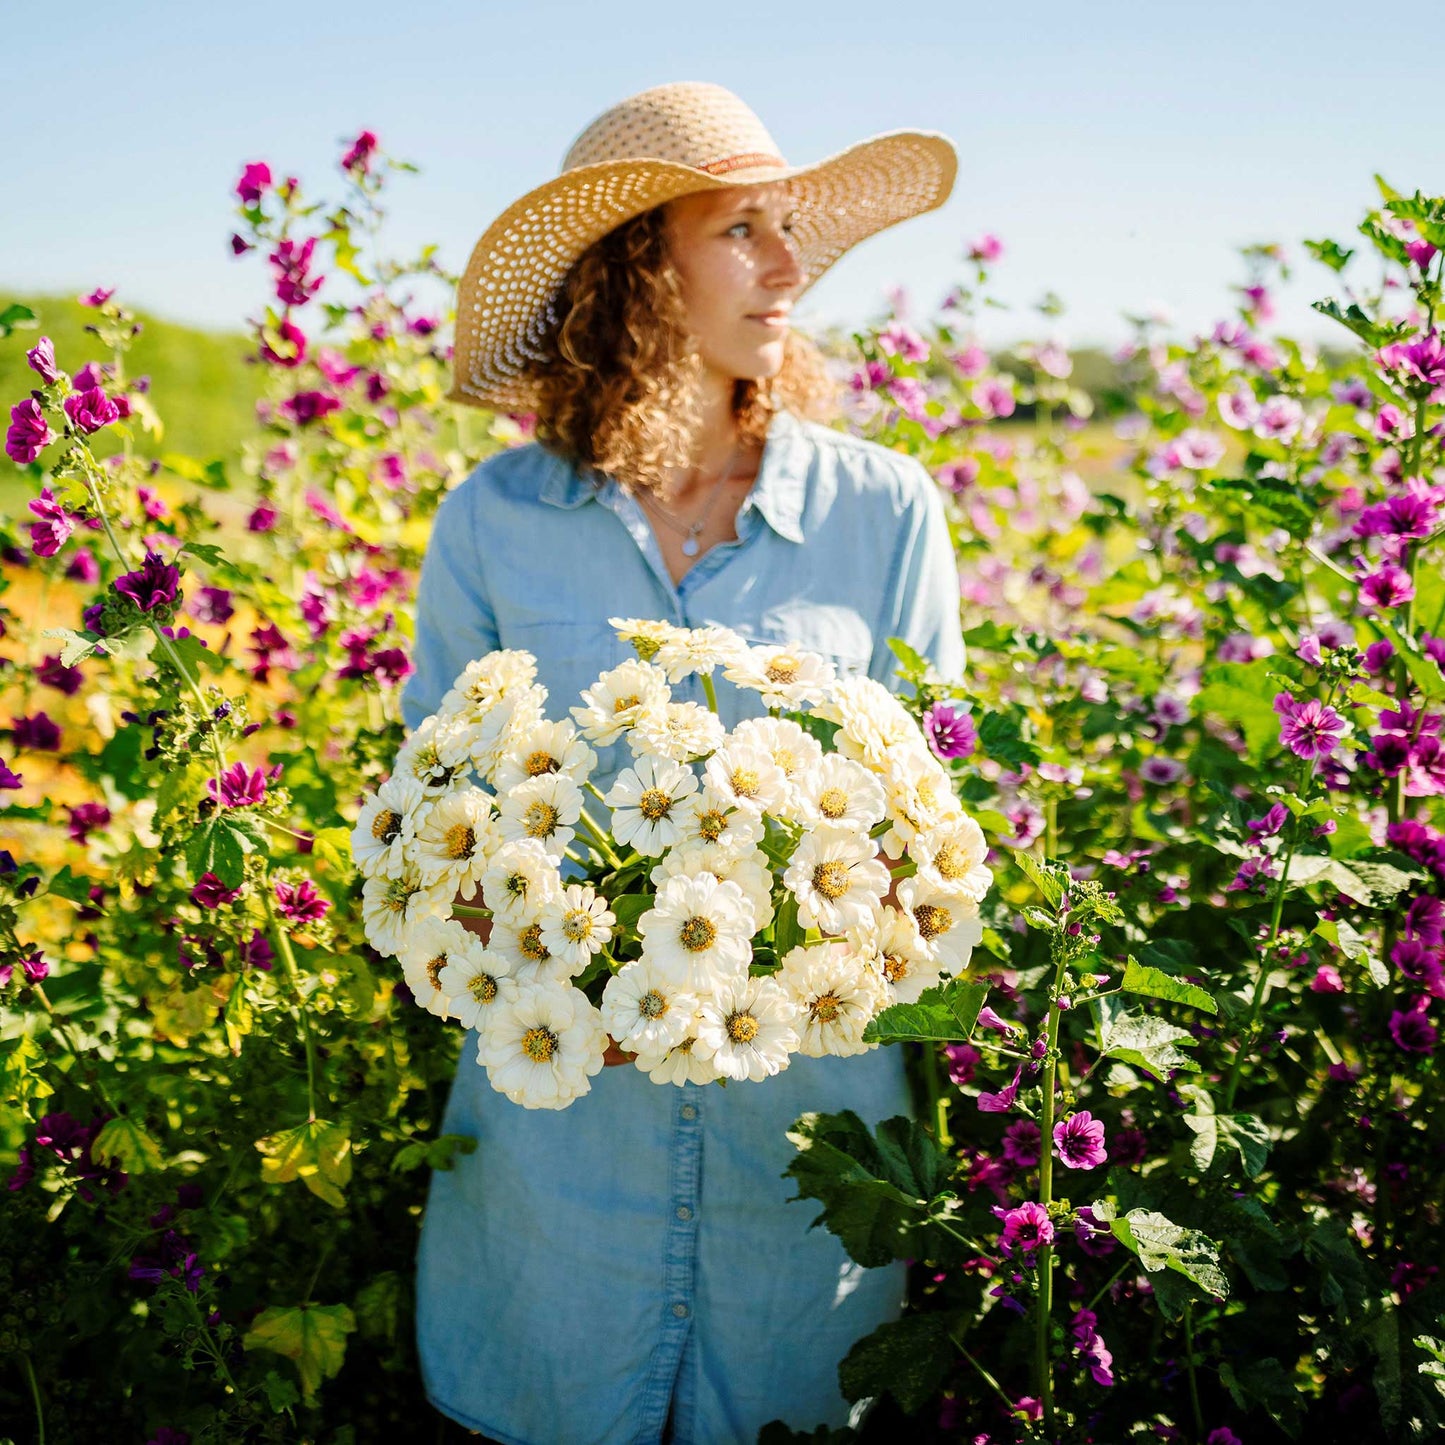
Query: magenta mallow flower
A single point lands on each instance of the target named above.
(1308, 729)
(1085, 1330)
(1161, 770)
(1022, 1143)
(41, 360)
(98, 297)
(1003, 1101)
(49, 534)
(91, 409)
(950, 733)
(154, 584)
(210, 892)
(29, 433)
(359, 153)
(1222, 1436)
(902, 341)
(302, 902)
(1079, 1141)
(85, 818)
(1389, 587)
(239, 787)
(1412, 1031)
(1421, 360)
(254, 180)
(36, 733)
(986, 247)
(309, 406)
(1026, 1229)
(283, 345)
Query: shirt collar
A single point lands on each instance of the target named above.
(778, 492)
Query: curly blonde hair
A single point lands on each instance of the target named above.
(618, 388)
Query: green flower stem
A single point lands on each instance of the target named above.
(283, 947)
(937, 1104)
(1108, 1283)
(597, 839)
(1193, 1377)
(91, 1077)
(466, 910)
(984, 1376)
(35, 1395)
(1044, 1307)
(709, 691)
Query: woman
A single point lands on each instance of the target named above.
(629, 1269)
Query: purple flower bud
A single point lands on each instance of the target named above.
(41, 357)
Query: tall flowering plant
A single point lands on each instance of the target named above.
(739, 908)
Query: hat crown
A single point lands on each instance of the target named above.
(691, 123)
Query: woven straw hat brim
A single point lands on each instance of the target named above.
(506, 296)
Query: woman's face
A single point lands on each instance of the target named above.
(739, 272)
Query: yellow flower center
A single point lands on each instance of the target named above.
(712, 824)
(483, 988)
(652, 1005)
(787, 760)
(833, 802)
(826, 1007)
(434, 969)
(539, 1044)
(621, 704)
(515, 885)
(654, 804)
(540, 763)
(577, 925)
(742, 1027)
(532, 946)
(932, 920)
(746, 782)
(895, 966)
(951, 862)
(461, 840)
(540, 819)
(385, 826)
(398, 894)
(697, 933)
(782, 668)
(830, 879)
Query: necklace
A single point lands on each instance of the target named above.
(691, 531)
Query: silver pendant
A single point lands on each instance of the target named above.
(689, 547)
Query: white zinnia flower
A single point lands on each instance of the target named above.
(485, 681)
(920, 798)
(388, 823)
(681, 731)
(873, 724)
(951, 857)
(475, 979)
(699, 649)
(646, 1010)
(747, 1028)
(795, 751)
(576, 925)
(750, 871)
(645, 635)
(541, 1047)
(392, 907)
(948, 925)
(748, 778)
(836, 994)
(520, 878)
(787, 676)
(542, 809)
(836, 877)
(906, 965)
(644, 802)
(545, 747)
(493, 733)
(699, 929)
(712, 816)
(437, 755)
(529, 960)
(456, 839)
(619, 699)
(679, 1065)
(429, 947)
(842, 792)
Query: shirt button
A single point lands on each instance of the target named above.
(688, 1111)
(680, 1310)
(684, 1213)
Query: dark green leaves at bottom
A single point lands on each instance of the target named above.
(908, 1358)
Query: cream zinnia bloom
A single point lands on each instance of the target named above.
(619, 700)
(747, 1027)
(679, 1065)
(545, 747)
(836, 877)
(646, 1010)
(795, 751)
(493, 733)
(873, 724)
(844, 793)
(392, 907)
(699, 930)
(575, 926)
(456, 839)
(787, 676)
(541, 1047)
(474, 980)
(905, 965)
(699, 649)
(437, 755)
(645, 803)
(748, 778)
(749, 870)
(836, 994)
(948, 925)
(920, 798)
(520, 878)
(383, 833)
(680, 732)
(542, 809)
(485, 681)
(645, 635)
(528, 958)
(951, 857)
(713, 817)
(429, 947)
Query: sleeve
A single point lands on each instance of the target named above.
(455, 623)
(921, 605)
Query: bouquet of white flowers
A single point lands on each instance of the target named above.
(739, 909)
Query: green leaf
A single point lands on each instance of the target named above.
(1371, 332)
(1241, 693)
(318, 1153)
(333, 845)
(313, 1336)
(21, 1082)
(1154, 983)
(122, 1138)
(1003, 740)
(379, 1304)
(944, 1014)
(74, 646)
(630, 907)
(913, 665)
(281, 1394)
(1335, 256)
(1142, 1040)
(1266, 1383)
(1339, 932)
(438, 1153)
(908, 1359)
(16, 317)
(220, 846)
(1243, 1134)
(786, 933)
(1048, 875)
(878, 1190)
(207, 552)
(1162, 1244)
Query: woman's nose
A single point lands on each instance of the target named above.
(785, 269)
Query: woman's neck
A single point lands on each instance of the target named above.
(713, 444)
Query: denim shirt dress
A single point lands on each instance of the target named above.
(633, 1263)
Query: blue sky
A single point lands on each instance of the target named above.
(1122, 151)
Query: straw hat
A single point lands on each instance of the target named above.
(662, 143)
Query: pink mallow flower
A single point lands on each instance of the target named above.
(91, 409)
(239, 786)
(29, 432)
(254, 180)
(1026, 1229)
(300, 902)
(1389, 587)
(986, 247)
(1308, 729)
(1079, 1141)
(49, 534)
